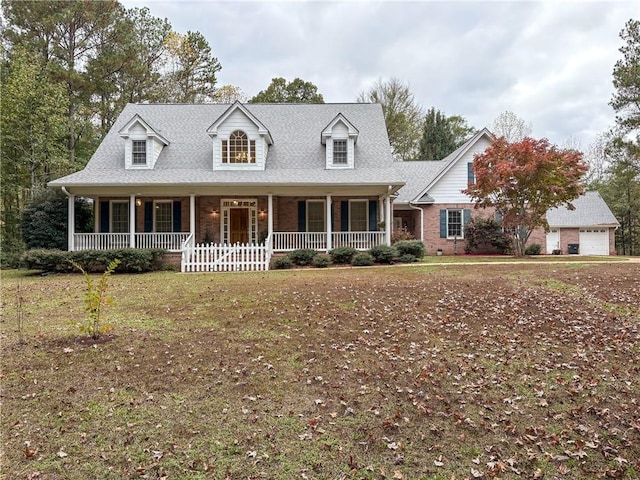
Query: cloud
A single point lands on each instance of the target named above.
(549, 62)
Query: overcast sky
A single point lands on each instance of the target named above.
(549, 62)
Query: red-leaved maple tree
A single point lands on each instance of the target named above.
(523, 180)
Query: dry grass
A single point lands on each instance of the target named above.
(433, 372)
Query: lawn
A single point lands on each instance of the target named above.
(422, 372)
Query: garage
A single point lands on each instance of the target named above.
(594, 241)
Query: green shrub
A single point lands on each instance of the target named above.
(93, 261)
(342, 254)
(411, 247)
(47, 260)
(407, 258)
(485, 235)
(533, 249)
(282, 263)
(383, 253)
(322, 260)
(302, 256)
(362, 259)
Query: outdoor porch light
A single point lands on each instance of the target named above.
(138, 202)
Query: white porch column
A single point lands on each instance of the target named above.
(380, 209)
(387, 219)
(329, 225)
(132, 221)
(270, 215)
(192, 216)
(71, 219)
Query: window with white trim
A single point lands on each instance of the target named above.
(163, 216)
(358, 215)
(119, 216)
(315, 216)
(455, 223)
(238, 149)
(139, 152)
(340, 152)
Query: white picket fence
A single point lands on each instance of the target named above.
(225, 258)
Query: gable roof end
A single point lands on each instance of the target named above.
(212, 131)
(326, 133)
(452, 158)
(151, 132)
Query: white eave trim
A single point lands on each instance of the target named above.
(151, 133)
(327, 131)
(263, 131)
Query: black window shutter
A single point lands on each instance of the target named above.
(148, 217)
(344, 216)
(373, 215)
(302, 216)
(104, 217)
(177, 216)
(443, 224)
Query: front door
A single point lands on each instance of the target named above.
(239, 222)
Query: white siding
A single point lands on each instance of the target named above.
(339, 132)
(238, 121)
(448, 188)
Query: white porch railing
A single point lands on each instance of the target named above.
(225, 258)
(288, 241)
(100, 241)
(105, 241)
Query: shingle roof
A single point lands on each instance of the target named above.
(590, 210)
(296, 156)
(417, 175)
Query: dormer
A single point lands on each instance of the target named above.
(240, 140)
(142, 145)
(340, 137)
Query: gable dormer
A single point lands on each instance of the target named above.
(240, 140)
(142, 145)
(340, 137)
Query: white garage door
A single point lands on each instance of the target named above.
(594, 241)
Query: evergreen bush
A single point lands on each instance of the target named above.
(411, 247)
(383, 253)
(362, 259)
(302, 256)
(343, 254)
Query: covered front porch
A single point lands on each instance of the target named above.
(212, 226)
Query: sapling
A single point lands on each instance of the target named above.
(95, 298)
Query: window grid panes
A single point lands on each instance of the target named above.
(120, 217)
(315, 216)
(454, 223)
(358, 218)
(340, 152)
(238, 149)
(164, 217)
(139, 152)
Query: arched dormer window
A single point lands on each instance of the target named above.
(238, 149)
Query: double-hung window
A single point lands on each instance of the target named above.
(139, 152)
(455, 223)
(340, 152)
(315, 216)
(358, 216)
(120, 217)
(163, 221)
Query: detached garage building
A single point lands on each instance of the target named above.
(587, 230)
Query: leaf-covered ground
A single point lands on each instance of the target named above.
(433, 372)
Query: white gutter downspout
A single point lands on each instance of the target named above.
(421, 220)
(71, 218)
